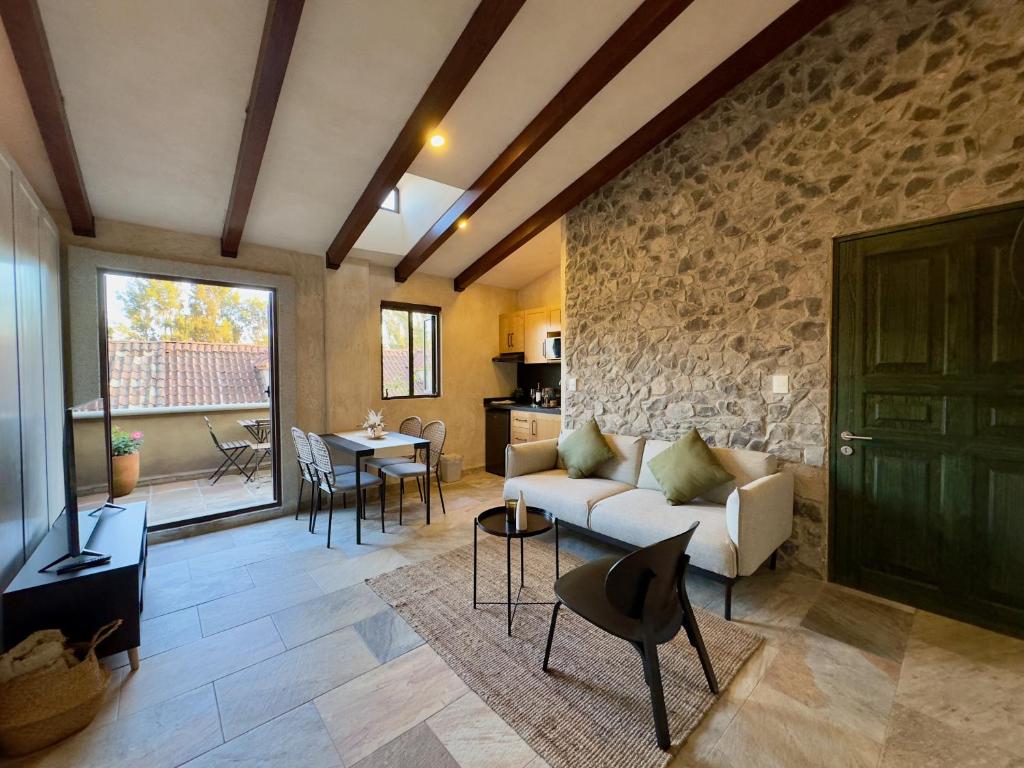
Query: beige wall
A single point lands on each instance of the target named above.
(469, 326)
(176, 444)
(545, 291)
(305, 270)
(338, 331)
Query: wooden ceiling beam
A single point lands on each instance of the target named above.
(642, 26)
(279, 29)
(24, 26)
(786, 30)
(485, 27)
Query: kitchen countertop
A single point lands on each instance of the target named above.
(517, 406)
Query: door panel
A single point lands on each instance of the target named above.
(1000, 531)
(929, 356)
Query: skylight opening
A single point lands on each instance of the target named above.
(390, 202)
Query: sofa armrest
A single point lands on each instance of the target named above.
(527, 458)
(759, 516)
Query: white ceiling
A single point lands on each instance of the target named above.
(156, 94)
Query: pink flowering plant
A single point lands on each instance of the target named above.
(124, 443)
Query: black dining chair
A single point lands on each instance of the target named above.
(411, 426)
(435, 432)
(640, 598)
(332, 480)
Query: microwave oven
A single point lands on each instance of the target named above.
(553, 348)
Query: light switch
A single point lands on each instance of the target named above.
(570, 384)
(780, 384)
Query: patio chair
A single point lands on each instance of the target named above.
(435, 432)
(231, 451)
(331, 482)
(640, 598)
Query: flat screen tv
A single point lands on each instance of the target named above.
(86, 485)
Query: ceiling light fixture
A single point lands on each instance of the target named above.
(462, 224)
(437, 140)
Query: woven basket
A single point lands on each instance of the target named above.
(40, 709)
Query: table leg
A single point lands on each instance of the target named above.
(508, 573)
(474, 565)
(426, 482)
(359, 507)
(522, 572)
(556, 549)
(133, 658)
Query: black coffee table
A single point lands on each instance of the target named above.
(498, 521)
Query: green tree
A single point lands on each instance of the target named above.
(152, 308)
(167, 310)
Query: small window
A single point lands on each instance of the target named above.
(410, 350)
(391, 201)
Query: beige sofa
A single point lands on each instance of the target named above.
(742, 523)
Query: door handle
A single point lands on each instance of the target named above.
(847, 435)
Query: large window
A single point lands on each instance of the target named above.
(409, 350)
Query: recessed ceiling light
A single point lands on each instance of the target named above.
(437, 140)
(462, 223)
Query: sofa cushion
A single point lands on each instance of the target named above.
(624, 466)
(565, 498)
(745, 466)
(643, 516)
(687, 468)
(584, 450)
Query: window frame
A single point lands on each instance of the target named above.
(435, 352)
(398, 202)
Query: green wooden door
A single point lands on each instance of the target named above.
(929, 364)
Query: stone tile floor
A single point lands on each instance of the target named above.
(179, 500)
(262, 647)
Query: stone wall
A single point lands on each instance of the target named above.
(707, 266)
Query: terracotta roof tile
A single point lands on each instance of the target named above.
(165, 374)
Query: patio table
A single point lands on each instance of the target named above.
(258, 428)
(359, 446)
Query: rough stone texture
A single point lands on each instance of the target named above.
(707, 266)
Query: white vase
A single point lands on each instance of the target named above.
(521, 518)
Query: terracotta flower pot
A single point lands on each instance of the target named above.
(126, 474)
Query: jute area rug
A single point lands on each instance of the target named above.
(592, 708)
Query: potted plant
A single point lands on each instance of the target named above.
(124, 448)
(374, 424)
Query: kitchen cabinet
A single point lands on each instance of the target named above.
(555, 319)
(536, 332)
(511, 332)
(526, 427)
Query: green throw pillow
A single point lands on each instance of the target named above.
(584, 450)
(687, 468)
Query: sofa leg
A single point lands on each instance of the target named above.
(773, 559)
(728, 599)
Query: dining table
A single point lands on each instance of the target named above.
(358, 445)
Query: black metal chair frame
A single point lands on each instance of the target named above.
(327, 481)
(232, 452)
(728, 581)
(646, 605)
(436, 470)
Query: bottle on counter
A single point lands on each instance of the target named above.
(539, 396)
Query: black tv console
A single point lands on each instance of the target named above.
(80, 602)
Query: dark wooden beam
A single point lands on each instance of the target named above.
(485, 27)
(792, 25)
(643, 25)
(25, 31)
(279, 30)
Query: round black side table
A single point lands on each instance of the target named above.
(498, 521)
